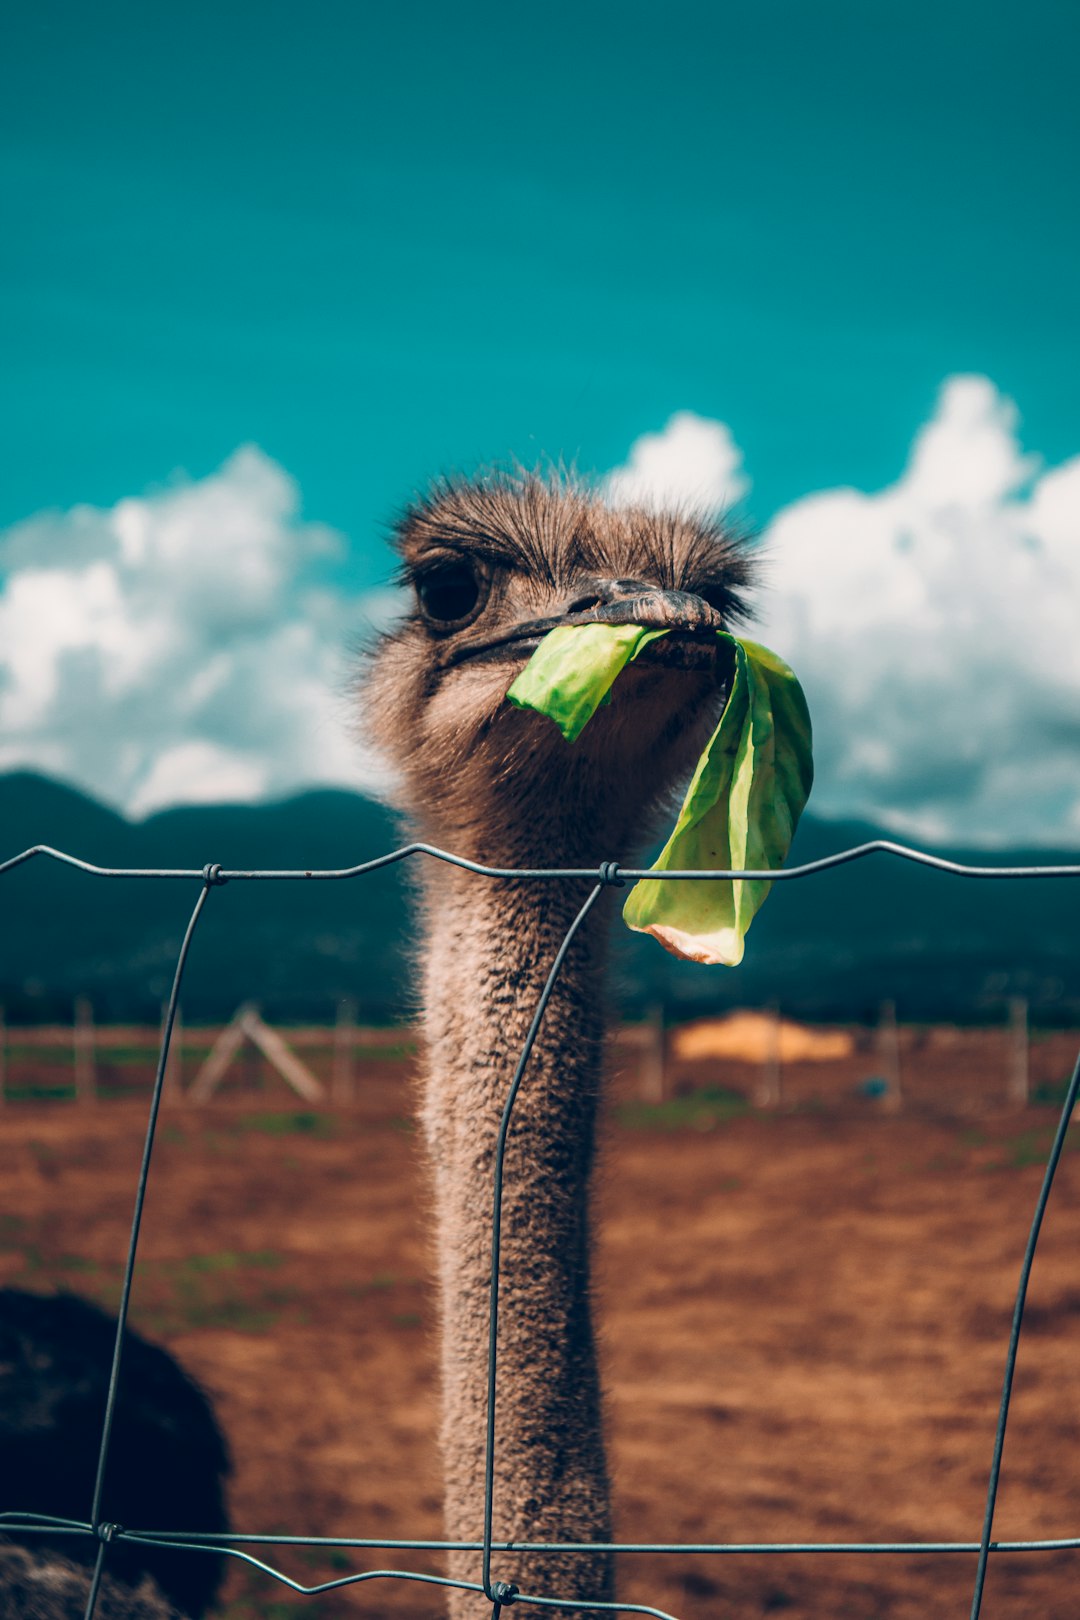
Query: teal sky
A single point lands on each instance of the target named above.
(384, 241)
(823, 255)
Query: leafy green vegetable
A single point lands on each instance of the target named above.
(572, 671)
(739, 814)
(745, 799)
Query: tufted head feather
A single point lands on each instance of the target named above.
(494, 563)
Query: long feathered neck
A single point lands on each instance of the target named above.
(489, 948)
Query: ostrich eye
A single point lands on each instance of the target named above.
(449, 594)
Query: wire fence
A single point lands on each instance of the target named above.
(498, 1593)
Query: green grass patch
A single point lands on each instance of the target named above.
(1050, 1093)
(228, 1289)
(230, 1260)
(78, 1262)
(236, 1314)
(286, 1123)
(44, 1055)
(236, 1290)
(385, 1283)
(34, 1093)
(381, 1283)
(701, 1111)
(1030, 1147)
(64, 1056)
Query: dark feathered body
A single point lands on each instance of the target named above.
(47, 1586)
(167, 1460)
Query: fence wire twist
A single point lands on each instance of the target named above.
(501, 1594)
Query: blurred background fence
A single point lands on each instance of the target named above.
(758, 1054)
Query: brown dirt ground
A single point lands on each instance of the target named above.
(804, 1318)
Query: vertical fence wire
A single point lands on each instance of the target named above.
(105, 1533)
(498, 1593)
(1014, 1334)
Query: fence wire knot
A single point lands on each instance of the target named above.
(212, 875)
(503, 1594)
(107, 1532)
(609, 875)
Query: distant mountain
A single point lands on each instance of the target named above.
(294, 947)
(828, 947)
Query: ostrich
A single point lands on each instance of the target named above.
(167, 1465)
(494, 564)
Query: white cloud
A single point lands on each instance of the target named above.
(933, 625)
(176, 647)
(693, 463)
(200, 773)
(173, 649)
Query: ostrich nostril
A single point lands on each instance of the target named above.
(582, 604)
(603, 593)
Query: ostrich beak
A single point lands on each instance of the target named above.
(692, 642)
(692, 624)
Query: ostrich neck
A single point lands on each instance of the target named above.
(490, 946)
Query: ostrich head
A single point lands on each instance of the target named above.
(493, 566)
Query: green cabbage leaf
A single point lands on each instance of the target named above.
(572, 671)
(744, 800)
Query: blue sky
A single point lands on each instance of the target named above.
(381, 242)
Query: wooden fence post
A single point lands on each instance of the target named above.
(83, 1041)
(769, 1089)
(342, 1082)
(217, 1060)
(1019, 1047)
(247, 1025)
(889, 1052)
(653, 1071)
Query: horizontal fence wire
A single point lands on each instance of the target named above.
(606, 872)
(608, 875)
